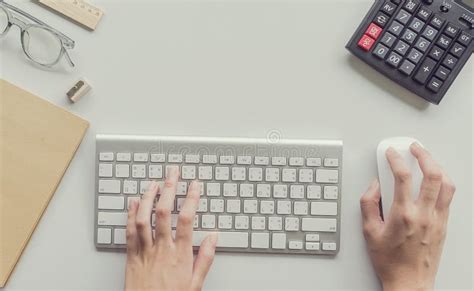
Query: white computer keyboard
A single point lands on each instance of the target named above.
(260, 196)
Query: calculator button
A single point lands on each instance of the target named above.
(381, 51)
(457, 50)
(444, 41)
(417, 25)
(395, 28)
(424, 13)
(402, 47)
(422, 44)
(374, 31)
(442, 73)
(450, 61)
(381, 19)
(436, 53)
(430, 33)
(366, 43)
(437, 22)
(403, 16)
(425, 70)
(409, 36)
(389, 7)
(407, 67)
(397, 2)
(415, 56)
(435, 84)
(451, 30)
(411, 5)
(394, 60)
(465, 38)
(388, 39)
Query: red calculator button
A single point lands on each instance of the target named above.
(366, 43)
(374, 31)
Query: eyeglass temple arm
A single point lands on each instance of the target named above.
(36, 20)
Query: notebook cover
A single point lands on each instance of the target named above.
(37, 142)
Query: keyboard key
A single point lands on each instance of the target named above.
(104, 236)
(380, 51)
(157, 158)
(295, 245)
(279, 241)
(430, 33)
(415, 56)
(444, 41)
(292, 224)
(381, 19)
(329, 246)
(246, 190)
(442, 73)
(465, 38)
(275, 223)
(155, 171)
(267, 207)
(284, 207)
(403, 17)
(105, 170)
(209, 159)
(140, 157)
(263, 190)
(435, 84)
(233, 206)
(327, 176)
(181, 189)
(227, 160)
(300, 208)
(225, 239)
(436, 53)
(260, 240)
(241, 222)
(244, 160)
(331, 192)
(205, 173)
(120, 237)
(288, 175)
(424, 13)
(389, 7)
(124, 157)
(313, 162)
(411, 5)
(280, 191)
(130, 187)
(388, 39)
(230, 190)
(144, 185)
(409, 36)
(417, 25)
(216, 205)
(374, 31)
(258, 223)
(255, 174)
(313, 246)
(323, 208)
(213, 189)
(106, 157)
(272, 174)
(112, 218)
(314, 192)
(296, 162)
(312, 237)
(192, 159)
(422, 44)
(222, 173)
(138, 171)
(175, 158)
(366, 43)
(109, 186)
(402, 47)
(306, 175)
(279, 161)
(208, 221)
(451, 30)
(450, 61)
(250, 206)
(122, 170)
(395, 28)
(239, 174)
(457, 50)
(111, 203)
(437, 22)
(331, 163)
(425, 70)
(407, 67)
(262, 161)
(319, 224)
(296, 191)
(202, 207)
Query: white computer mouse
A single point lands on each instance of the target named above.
(387, 181)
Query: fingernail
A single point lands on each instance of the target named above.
(416, 145)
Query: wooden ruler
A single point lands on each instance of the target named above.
(77, 10)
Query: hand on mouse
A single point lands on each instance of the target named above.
(164, 263)
(405, 249)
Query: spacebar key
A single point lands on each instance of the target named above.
(225, 239)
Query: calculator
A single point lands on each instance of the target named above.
(420, 44)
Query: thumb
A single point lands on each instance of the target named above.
(204, 260)
(370, 208)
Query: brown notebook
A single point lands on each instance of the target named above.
(37, 142)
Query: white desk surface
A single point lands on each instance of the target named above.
(237, 68)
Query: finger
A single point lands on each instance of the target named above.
(204, 261)
(402, 176)
(432, 177)
(132, 238)
(144, 215)
(370, 208)
(446, 194)
(184, 231)
(165, 205)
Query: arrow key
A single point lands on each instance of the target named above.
(435, 84)
(457, 50)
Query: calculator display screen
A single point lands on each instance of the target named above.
(466, 3)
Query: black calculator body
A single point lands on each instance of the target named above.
(420, 44)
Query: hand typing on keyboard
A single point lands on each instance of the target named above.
(405, 248)
(159, 262)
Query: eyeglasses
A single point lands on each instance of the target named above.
(41, 43)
